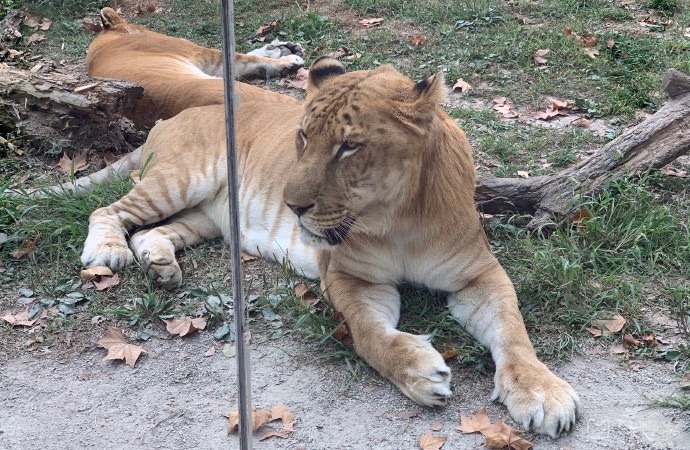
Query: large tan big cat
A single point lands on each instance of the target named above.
(379, 182)
(176, 74)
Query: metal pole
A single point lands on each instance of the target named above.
(244, 399)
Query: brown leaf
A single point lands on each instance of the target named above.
(475, 423)
(673, 172)
(246, 257)
(265, 29)
(462, 85)
(371, 22)
(523, 174)
(607, 327)
(27, 248)
(45, 24)
(286, 417)
(539, 56)
(618, 349)
(582, 122)
(305, 295)
(71, 167)
(589, 40)
(31, 21)
(417, 39)
(504, 109)
(630, 341)
(116, 343)
(430, 442)
(410, 413)
(22, 319)
(210, 352)
(497, 435)
(278, 433)
(93, 27)
(591, 52)
(93, 272)
(36, 37)
(300, 80)
(105, 282)
(109, 158)
(559, 104)
(500, 100)
(549, 113)
(185, 326)
(436, 426)
(450, 353)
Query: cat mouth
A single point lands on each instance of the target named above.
(333, 236)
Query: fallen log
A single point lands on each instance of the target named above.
(655, 142)
(54, 110)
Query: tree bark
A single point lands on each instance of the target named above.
(54, 111)
(657, 141)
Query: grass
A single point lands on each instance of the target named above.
(632, 252)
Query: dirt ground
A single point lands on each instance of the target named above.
(175, 398)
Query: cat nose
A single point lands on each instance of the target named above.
(298, 209)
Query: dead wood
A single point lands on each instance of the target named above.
(61, 110)
(652, 144)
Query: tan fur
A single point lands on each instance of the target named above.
(176, 74)
(383, 183)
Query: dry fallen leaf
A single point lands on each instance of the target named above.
(118, 348)
(475, 423)
(371, 22)
(450, 353)
(69, 166)
(591, 52)
(246, 257)
(264, 30)
(549, 113)
(607, 327)
(185, 326)
(261, 417)
(523, 174)
(673, 172)
(31, 21)
(45, 24)
(582, 122)
(305, 295)
(300, 80)
(93, 272)
(539, 56)
(104, 282)
(430, 442)
(436, 426)
(417, 39)
(22, 319)
(496, 435)
(36, 37)
(27, 248)
(462, 85)
(630, 341)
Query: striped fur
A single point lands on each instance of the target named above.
(181, 76)
(382, 183)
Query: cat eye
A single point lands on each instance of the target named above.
(346, 149)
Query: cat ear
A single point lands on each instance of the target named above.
(321, 72)
(431, 92)
(110, 18)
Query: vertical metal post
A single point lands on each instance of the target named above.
(243, 371)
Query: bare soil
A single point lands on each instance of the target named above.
(175, 398)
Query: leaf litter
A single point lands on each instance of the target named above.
(497, 435)
(184, 326)
(118, 348)
(261, 417)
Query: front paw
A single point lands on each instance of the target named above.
(536, 398)
(419, 370)
(112, 253)
(162, 268)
